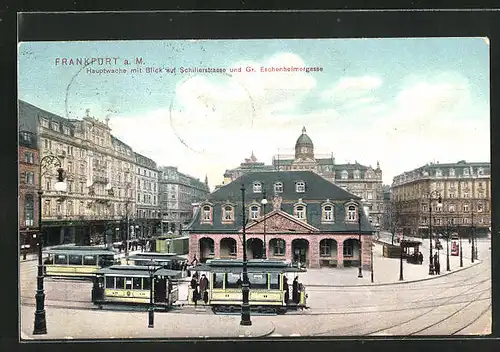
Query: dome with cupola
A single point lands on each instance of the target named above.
(304, 147)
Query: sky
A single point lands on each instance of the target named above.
(403, 102)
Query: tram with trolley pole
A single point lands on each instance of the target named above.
(77, 262)
(130, 285)
(270, 286)
(167, 260)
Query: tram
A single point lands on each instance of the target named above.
(455, 245)
(269, 285)
(166, 260)
(77, 261)
(131, 285)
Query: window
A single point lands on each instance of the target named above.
(120, 282)
(479, 207)
(257, 280)
(28, 157)
(300, 212)
(466, 207)
(351, 213)
(254, 212)
(324, 249)
(300, 187)
(128, 283)
(370, 195)
(61, 259)
(218, 280)
(228, 213)
(328, 213)
(424, 208)
(89, 260)
(146, 283)
(65, 130)
(480, 171)
(55, 126)
(279, 247)
(29, 177)
(348, 248)
(45, 123)
(344, 175)
(257, 187)
(452, 172)
(466, 195)
(466, 172)
(110, 282)
(274, 282)
(439, 173)
(233, 280)
(29, 210)
(451, 207)
(207, 216)
(356, 174)
(278, 187)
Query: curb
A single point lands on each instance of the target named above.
(273, 329)
(401, 282)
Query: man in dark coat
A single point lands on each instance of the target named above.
(204, 288)
(194, 288)
(420, 258)
(287, 289)
(295, 289)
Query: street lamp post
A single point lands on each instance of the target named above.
(245, 289)
(473, 230)
(460, 248)
(264, 203)
(40, 327)
(371, 263)
(447, 247)
(360, 270)
(401, 261)
(151, 309)
(431, 264)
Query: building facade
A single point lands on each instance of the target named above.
(307, 219)
(465, 191)
(177, 193)
(28, 188)
(147, 204)
(386, 208)
(99, 174)
(363, 181)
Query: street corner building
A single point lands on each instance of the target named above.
(307, 220)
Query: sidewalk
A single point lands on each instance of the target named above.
(386, 270)
(97, 324)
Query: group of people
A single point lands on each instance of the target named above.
(295, 290)
(417, 258)
(199, 288)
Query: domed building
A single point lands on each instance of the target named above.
(304, 147)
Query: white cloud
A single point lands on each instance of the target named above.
(349, 88)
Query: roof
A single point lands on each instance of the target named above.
(76, 250)
(156, 256)
(29, 117)
(304, 139)
(137, 271)
(253, 265)
(318, 191)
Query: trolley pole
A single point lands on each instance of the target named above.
(245, 306)
(447, 249)
(401, 261)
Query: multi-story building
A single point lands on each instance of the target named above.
(386, 208)
(28, 188)
(465, 191)
(362, 181)
(249, 165)
(99, 175)
(307, 219)
(177, 193)
(147, 204)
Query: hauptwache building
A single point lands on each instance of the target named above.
(307, 219)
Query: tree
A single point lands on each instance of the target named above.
(394, 218)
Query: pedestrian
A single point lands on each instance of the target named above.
(203, 288)
(295, 289)
(438, 267)
(194, 260)
(194, 290)
(420, 257)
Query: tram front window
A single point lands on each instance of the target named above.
(90, 260)
(61, 259)
(218, 279)
(49, 259)
(233, 280)
(274, 284)
(146, 283)
(136, 283)
(75, 259)
(257, 280)
(110, 282)
(106, 260)
(120, 282)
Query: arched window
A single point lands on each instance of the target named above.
(228, 213)
(257, 187)
(29, 207)
(207, 213)
(300, 212)
(328, 213)
(356, 173)
(254, 212)
(278, 187)
(351, 213)
(452, 172)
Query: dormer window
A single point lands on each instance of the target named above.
(327, 213)
(278, 187)
(227, 213)
(300, 187)
(439, 173)
(356, 174)
(254, 212)
(480, 171)
(257, 187)
(344, 175)
(55, 126)
(466, 172)
(300, 212)
(452, 172)
(206, 213)
(351, 213)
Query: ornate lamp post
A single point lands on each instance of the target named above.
(437, 196)
(151, 310)
(245, 305)
(264, 203)
(40, 327)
